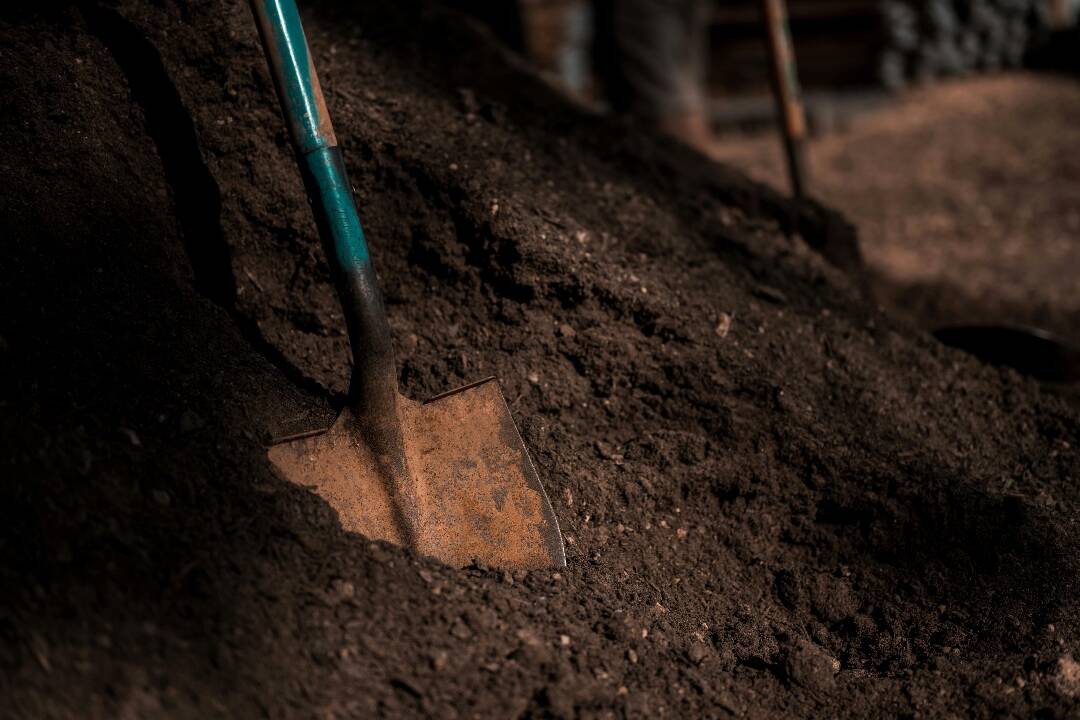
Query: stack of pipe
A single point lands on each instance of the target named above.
(928, 39)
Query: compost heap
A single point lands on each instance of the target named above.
(776, 499)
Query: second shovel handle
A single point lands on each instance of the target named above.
(786, 89)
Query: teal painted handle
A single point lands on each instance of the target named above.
(374, 380)
(309, 123)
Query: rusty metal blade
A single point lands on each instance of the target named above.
(470, 491)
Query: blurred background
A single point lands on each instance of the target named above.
(946, 130)
(850, 52)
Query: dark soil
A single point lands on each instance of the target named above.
(965, 195)
(777, 500)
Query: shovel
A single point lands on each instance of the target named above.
(450, 477)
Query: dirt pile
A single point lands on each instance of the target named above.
(964, 194)
(776, 499)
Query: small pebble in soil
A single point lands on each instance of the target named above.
(697, 653)
(460, 630)
(528, 637)
(1066, 681)
(161, 498)
(809, 666)
(723, 325)
(344, 589)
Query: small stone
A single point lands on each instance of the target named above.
(698, 652)
(680, 533)
(344, 589)
(131, 436)
(534, 378)
(161, 498)
(439, 659)
(564, 640)
(809, 666)
(607, 452)
(460, 630)
(632, 656)
(1067, 678)
(566, 331)
(528, 637)
(723, 325)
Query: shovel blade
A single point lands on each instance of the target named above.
(471, 491)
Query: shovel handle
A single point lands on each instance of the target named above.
(374, 379)
(785, 81)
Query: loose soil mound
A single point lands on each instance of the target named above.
(777, 500)
(964, 194)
